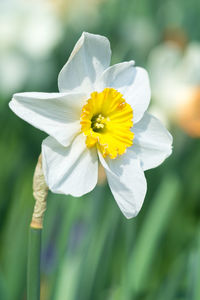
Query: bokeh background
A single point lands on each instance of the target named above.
(90, 251)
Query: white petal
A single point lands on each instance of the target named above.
(152, 142)
(57, 114)
(89, 58)
(69, 170)
(117, 76)
(132, 82)
(127, 182)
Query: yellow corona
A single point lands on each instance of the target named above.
(106, 121)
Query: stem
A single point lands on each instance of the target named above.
(40, 191)
(33, 272)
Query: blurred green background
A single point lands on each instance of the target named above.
(90, 251)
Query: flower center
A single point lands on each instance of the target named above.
(106, 121)
(98, 123)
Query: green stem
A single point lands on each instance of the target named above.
(33, 271)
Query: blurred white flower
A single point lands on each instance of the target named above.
(91, 119)
(31, 26)
(13, 72)
(175, 81)
(29, 30)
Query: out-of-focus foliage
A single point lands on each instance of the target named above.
(90, 251)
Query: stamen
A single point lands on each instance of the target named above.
(98, 123)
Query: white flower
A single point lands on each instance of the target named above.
(98, 115)
(175, 81)
(29, 31)
(31, 27)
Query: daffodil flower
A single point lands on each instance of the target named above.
(99, 115)
(176, 91)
